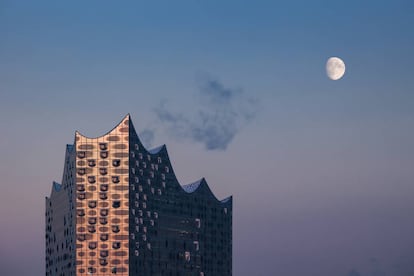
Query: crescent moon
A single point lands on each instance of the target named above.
(335, 68)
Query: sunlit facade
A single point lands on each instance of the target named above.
(120, 210)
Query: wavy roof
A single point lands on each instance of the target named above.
(198, 186)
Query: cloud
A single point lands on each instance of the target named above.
(353, 272)
(147, 137)
(222, 113)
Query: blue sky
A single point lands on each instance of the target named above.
(323, 168)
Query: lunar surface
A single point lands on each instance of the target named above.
(335, 68)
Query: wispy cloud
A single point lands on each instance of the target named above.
(221, 113)
(147, 137)
(354, 272)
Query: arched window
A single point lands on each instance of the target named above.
(103, 171)
(92, 245)
(91, 163)
(92, 204)
(116, 204)
(91, 179)
(103, 146)
(103, 221)
(115, 228)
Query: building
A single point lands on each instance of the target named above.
(120, 210)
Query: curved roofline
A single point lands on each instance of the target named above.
(128, 116)
(192, 188)
(196, 187)
(155, 150)
(57, 186)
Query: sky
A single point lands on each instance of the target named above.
(321, 171)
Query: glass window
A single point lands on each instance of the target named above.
(103, 154)
(187, 256)
(115, 228)
(104, 253)
(91, 229)
(104, 212)
(103, 261)
(116, 162)
(81, 171)
(103, 220)
(91, 163)
(80, 187)
(103, 146)
(92, 204)
(92, 245)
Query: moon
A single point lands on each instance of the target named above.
(335, 68)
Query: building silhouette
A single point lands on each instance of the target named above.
(120, 210)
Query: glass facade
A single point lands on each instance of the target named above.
(120, 210)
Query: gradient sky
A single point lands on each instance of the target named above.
(321, 172)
